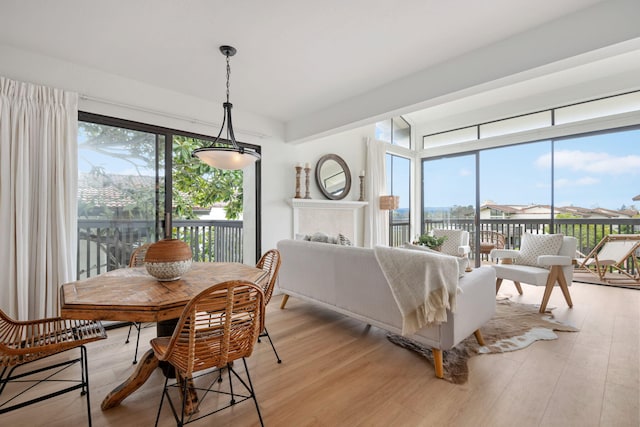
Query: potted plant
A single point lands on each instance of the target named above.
(430, 241)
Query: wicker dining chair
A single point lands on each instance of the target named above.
(137, 260)
(23, 342)
(270, 262)
(219, 325)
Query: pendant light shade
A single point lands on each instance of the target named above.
(226, 157)
(226, 153)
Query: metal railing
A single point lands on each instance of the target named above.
(105, 245)
(588, 231)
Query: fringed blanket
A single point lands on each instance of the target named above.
(423, 284)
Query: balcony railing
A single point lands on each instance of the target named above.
(105, 245)
(588, 231)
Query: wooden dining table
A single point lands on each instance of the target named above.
(132, 295)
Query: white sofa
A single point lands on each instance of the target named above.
(349, 280)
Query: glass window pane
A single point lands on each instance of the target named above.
(120, 194)
(515, 190)
(599, 108)
(451, 137)
(519, 175)
(598, 171)
(383, 131)
(401, 132)
(207, 204)
(449, 192)
(516, 124)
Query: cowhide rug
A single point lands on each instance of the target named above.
(513, 327)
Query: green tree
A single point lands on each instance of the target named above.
(588, 235)
(197, 184)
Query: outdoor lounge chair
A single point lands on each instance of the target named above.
(612, 253)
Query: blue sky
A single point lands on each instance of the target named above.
(594, 171)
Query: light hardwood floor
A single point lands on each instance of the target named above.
(338, 372)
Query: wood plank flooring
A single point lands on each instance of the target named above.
(338, 372)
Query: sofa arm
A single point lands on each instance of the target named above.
(549, 260)
(503, 253)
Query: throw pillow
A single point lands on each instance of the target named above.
(319, 237)
(343, 240)
(451, 242)
(534, 245)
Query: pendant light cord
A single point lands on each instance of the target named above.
(228, 76)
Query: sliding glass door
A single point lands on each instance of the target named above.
(138, 183)
(207, 208)
(121, 192)
(515, 193)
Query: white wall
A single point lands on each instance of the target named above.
(350, 145)
(279, 177)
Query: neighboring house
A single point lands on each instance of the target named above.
(517, 212)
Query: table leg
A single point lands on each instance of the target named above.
(191, 405)
(145, 367)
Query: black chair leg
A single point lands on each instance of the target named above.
(230, 369)
(164, 390)
(129, 333)
(265, 333)
(135, 355)
(7, 375)
(138, 326)
(84, 367)
(253, 393)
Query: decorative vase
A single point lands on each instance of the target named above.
(168, 259)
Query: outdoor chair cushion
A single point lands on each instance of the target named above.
(535, 245)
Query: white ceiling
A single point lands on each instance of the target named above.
(295, 58)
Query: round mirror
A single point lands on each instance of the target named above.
(333, 177)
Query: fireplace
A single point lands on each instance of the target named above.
(330, 217)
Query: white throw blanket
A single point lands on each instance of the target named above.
(423, 284)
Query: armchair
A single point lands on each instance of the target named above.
(543, 260)
(456, 243)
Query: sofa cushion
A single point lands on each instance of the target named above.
(534, 245)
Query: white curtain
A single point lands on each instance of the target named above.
(376, 228)
(38, 181)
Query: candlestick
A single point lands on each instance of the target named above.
(307, 171)
(298, 171)
(361, 199)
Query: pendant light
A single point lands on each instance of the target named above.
(230, 156)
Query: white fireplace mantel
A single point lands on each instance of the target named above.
(329, 216)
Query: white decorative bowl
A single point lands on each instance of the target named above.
(168, 259)
(168, 271)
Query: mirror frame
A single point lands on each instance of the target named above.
(347, 174)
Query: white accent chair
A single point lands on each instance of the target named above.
(455, 244)
(548, 270)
